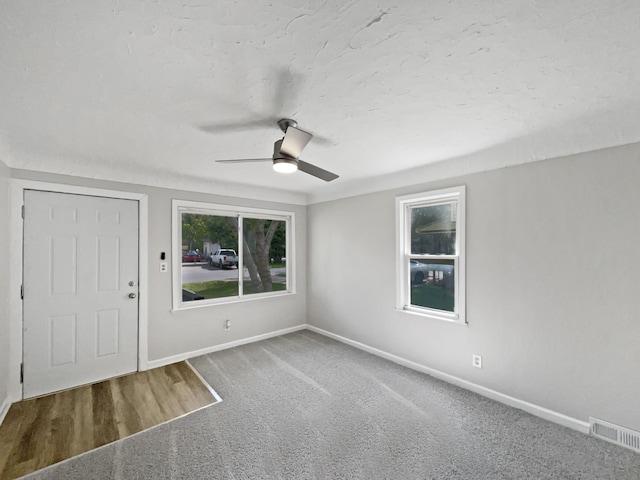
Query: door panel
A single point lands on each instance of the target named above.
(63, 339)
(80, 325)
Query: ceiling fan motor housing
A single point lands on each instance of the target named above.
(278, 154)
(281, 162)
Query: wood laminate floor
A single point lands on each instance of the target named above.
(42, 431)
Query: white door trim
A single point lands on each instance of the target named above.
(18, 186)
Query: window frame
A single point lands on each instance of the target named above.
(186, 206)
(404, 205)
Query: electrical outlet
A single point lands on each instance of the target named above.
(163, 267)
(477, 361)
(227, 325)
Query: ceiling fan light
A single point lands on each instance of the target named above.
(285, 165)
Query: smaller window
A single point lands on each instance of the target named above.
(430, 254)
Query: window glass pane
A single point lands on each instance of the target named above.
(432, 284)
(264, 255)
(209, 260)
(433, 229)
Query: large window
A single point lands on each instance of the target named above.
(430, 254)
(224, 253)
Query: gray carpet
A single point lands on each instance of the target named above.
(305, 406)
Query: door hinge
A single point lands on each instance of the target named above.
(22, 372)
(22, 292)
(22, 211)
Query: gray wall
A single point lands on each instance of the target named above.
(552, 296)
(175, 333)
(4, 283)
(552, 283)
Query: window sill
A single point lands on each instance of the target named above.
(230, 300)
(454, 319)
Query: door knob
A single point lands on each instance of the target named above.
(132, 283)
(132, 295)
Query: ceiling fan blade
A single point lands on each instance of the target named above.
(225, 127)
(286, 93)
(245, 160)
(316, 171)
(294, 141)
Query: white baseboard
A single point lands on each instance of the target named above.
(224, 346)
(528, 407)
(4, 409)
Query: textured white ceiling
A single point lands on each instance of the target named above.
(154, 92)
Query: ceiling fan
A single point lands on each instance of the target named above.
(286, 153)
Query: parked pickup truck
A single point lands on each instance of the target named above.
(224, 258)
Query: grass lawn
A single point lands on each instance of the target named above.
(222, 288)
(432, 296)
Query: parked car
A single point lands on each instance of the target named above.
(188, 295)
(438, 273)
(224, 258)
(419, 271)
(191, 256)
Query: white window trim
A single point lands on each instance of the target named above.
(403, 250)
(186, 206)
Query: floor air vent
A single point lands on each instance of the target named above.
(615, 434)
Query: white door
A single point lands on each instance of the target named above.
(80, 274)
